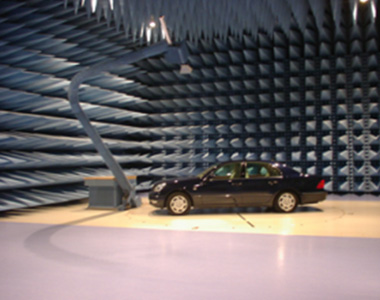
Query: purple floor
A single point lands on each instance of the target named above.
(78, 262)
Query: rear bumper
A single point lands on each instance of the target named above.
(313, 197)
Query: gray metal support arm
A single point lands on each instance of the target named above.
(79, 78)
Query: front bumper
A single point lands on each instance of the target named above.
(156, 200)
(313, 197)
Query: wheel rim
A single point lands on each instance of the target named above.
(178, 204)
(287, 201)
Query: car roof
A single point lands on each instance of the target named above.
(283, 167)
(253, 161)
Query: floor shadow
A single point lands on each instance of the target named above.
(239, 210)
(40, 243)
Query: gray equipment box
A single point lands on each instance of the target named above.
(105, 192)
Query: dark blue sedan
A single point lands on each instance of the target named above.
(239, 184)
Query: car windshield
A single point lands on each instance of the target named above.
(203, 173)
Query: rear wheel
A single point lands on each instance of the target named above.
(178, 204)
(286, 202)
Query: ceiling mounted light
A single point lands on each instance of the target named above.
(355, 9)
(111, 4)
(152, 23)
(94, 3)
(373, 9)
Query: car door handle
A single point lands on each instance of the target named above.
(236, 184)
(272, 182)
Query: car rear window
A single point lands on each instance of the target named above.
(288, 172)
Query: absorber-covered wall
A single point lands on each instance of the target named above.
(307, 97)
(44, 152)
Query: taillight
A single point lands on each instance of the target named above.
(321, 185)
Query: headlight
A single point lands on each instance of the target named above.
(159, 187)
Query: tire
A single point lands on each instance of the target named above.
(285, 202)
(178, 204)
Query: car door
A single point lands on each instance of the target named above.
(219, 188)
(259, 184)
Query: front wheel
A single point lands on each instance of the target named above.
(285, 202)
(178, 204)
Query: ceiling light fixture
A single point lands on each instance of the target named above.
(94, 3)
(152, 23)
(355, 8)
(374, 11)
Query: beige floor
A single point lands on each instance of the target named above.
(351, 216)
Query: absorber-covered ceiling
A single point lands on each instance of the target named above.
(207, 19)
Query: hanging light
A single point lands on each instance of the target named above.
(373, 9)
(150, 27)
(152, 23)
(355, 10)
(93, 5)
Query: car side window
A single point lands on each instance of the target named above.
(264, 172)
(227, 171)
(259, 170)
(252, 171)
